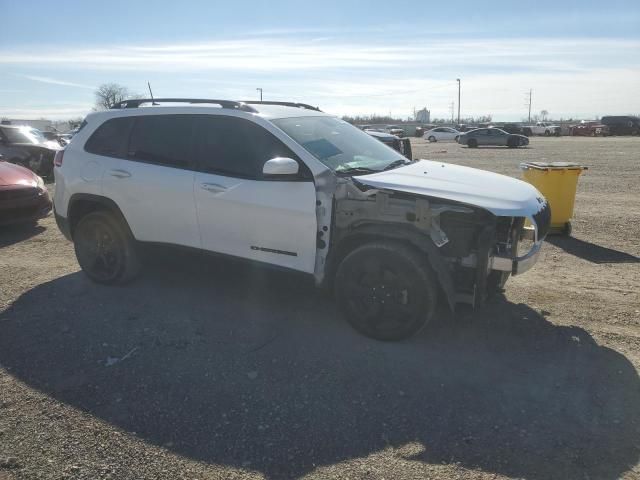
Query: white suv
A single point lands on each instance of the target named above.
(287, 185)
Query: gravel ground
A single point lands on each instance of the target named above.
(207, 369)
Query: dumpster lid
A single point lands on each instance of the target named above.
(553, 166)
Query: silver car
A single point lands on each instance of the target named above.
(493, 137)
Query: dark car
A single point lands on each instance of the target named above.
(513, 128)
(23, 195)
(622, 125)
(27, 147)
(493, 137)
(402, 145)
(589, 129)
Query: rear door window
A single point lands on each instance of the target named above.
(162, 139)
(110, 139)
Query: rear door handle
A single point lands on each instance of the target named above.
(118, 173)
(213, 187)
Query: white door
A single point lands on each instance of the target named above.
(153, 185)
(244, 214)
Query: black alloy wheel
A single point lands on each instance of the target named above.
(105, 249)
(386, 290)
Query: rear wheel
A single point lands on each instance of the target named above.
(432, 139)
(547, 133)
(105, 248)
(386, 290)
(472, 143)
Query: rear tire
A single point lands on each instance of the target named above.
(105, 248)
(472, 143)
(386, 290)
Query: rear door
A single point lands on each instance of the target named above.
(244, 214)
(153, 181)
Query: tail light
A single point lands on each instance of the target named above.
(57, 160)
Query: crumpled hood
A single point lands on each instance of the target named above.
(499, 194)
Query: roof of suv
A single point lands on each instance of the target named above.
(268, 110)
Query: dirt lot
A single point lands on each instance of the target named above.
(206, 369)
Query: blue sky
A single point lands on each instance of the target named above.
(582, 59)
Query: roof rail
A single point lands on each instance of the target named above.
(284, 104)
(136, 102)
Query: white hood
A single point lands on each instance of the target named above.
(501, 195)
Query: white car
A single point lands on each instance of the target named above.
(289, 186)
(441, 134)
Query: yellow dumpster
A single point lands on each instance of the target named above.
(557, 181)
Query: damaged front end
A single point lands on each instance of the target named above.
(471, 249)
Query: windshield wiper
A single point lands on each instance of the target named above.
(356, 170)
(397, 163)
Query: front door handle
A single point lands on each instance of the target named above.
(118, 173)
(213, 187)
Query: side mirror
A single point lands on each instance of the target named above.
(280, 166)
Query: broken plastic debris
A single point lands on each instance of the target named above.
(113, 360)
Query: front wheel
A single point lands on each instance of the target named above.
(105, 248)
(472, 143)
(432, 139)
(386, 290)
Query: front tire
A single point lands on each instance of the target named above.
(386, 290)
(432, 139)
(472, 143)
(105, 248)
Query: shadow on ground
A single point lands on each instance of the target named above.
(12, 234)
(240, 367)
(590, 251)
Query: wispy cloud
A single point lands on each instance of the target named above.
(54, 81)
(583, 76)
(272, 55)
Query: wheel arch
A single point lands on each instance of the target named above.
(80, 204)
(374, 232)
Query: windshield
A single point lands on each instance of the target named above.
(20, 135)
(338, 144)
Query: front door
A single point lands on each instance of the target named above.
(242, 213)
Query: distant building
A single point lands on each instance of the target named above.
(423, 116)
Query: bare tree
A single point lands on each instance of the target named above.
(108, 94)
(543, 114)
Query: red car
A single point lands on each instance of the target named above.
(589, 129)
(23, 195)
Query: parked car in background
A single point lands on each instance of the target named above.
(493, 137)
(622, 125)
(442, 134)
(395, 130)
(23, 195)
(513, 128)
(589, 129)
(544, 128)
(402, 145)
(27, 147)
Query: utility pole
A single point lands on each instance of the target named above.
(529, 104)
(458, 80)
(451, 107)
(260, 90)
